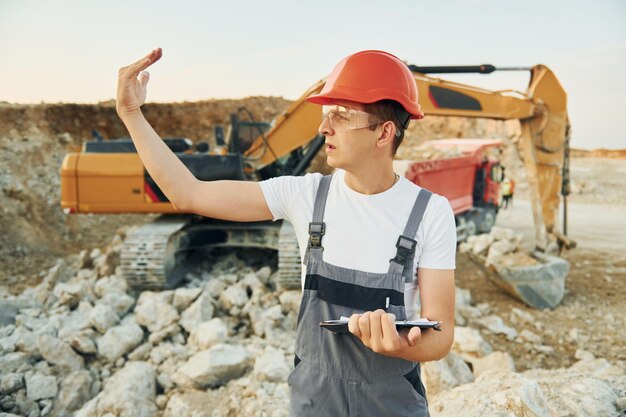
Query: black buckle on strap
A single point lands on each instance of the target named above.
(405, 248)
(316, 231)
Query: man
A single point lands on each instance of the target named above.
(507, 192)
(369, 239)
(512, 191)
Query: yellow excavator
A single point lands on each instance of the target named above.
(107, 176)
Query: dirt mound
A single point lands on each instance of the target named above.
(599, 153)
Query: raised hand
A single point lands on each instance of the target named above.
(131, 83)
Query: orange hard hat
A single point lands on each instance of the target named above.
(370, 76)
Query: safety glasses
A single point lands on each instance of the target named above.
(344, 118)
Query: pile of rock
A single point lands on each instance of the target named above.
(584, 187)
(537, 278)
(476, 380)
(82, 342)
(576, 391)
(501, 246)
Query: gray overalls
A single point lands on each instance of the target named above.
(335, 374)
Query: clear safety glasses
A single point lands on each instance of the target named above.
(344, 118)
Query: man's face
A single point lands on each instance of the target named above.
(347, 148)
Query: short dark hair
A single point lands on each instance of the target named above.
(389, 110)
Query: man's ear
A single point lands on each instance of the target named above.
(387, 134)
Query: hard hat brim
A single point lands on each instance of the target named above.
(330, 97)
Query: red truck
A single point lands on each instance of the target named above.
(470, 181)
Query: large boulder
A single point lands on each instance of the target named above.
(8, 312)
(502, 233)
(290, 301)
(479, 244)
(20, 338)
(185, 296)
(541, 285)
(264, 274)
(209, 333)
(74, 392)
(121, 303)
(39, 386)
(131, 392)
(267, 321)
(167, 332)
(271, 366)
(12, 362)
(106, 263)
(166, 350)
(58, 353)
(213, 367)
(214, 288)
(445, 374)
(234, 296)
(110, 285)
(496, 393)
(495, 325)
(572, 393)
(83, 344)
(76, 321)
(469, 344)
(119, 340)
(70, 293)
(28, 407)
(198, 312)
(154, 312)
(492, 362)
(102, 317)
(584, 390)
(10, 383)
(191, 403)
(498, 249)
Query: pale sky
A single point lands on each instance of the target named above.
(70, 50)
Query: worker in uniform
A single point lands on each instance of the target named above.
(507, 194)
(370, 240)
(511, 191)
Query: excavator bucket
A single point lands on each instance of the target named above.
(539, 285)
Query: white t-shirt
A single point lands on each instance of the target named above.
(362, 230)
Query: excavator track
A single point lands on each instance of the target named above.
(158, 255)
(148, 256)
(289, 261)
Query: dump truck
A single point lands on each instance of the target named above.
(110, 178)
(468, 176)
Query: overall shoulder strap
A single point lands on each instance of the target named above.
(402, 263)
(317, 227)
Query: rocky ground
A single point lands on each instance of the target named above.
(82, 342)
(75, 340)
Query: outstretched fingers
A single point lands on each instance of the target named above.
(134, 69)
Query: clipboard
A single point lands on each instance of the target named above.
(341, 326)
